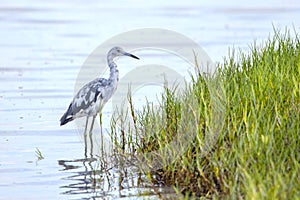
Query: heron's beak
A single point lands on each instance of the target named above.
(133, 56)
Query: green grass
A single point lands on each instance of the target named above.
(38, 154)
(232, 135)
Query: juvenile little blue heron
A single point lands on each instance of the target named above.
(91, 98)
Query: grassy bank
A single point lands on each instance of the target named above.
(231, 135)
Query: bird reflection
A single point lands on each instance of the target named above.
(90, 174)
(98, 175)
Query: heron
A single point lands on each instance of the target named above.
(91, 98)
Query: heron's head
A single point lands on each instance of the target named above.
(118, 51)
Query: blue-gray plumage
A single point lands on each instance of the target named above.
(91, 98)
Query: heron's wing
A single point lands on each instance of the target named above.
(89, 94)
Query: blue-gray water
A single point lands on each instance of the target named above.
(43, 45)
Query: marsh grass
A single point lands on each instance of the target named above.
(257, 152)
(38, 154)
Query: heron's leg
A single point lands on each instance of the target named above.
(86, 124)
(92, 125)
(85, 145)
(101, 134)
(85, 137)
(91, 143)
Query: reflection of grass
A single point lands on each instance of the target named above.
(256, 154)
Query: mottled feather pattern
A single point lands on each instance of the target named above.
(91, 98)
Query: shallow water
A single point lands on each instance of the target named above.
(42, 48)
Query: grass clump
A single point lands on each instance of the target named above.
(38, 154)
(234, 134)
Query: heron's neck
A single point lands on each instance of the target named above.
(114, 72)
